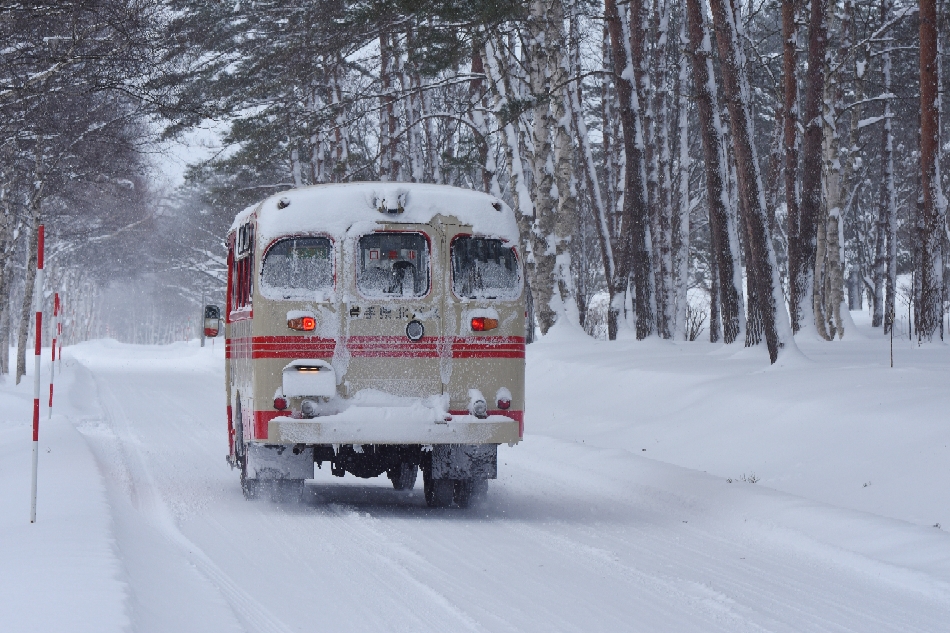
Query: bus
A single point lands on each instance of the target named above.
(378, 328)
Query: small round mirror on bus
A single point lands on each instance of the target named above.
(212, 322)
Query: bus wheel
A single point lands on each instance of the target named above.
(250, 487)
(439, 492)
(403, 476)
(469, 491)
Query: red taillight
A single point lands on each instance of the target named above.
(504, 404)
(482, 324)
(304, 324)
(280, 403)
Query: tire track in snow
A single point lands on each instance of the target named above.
(383, 544)
(148, 501)
(766, 578)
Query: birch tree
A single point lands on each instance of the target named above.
(933, 221)
(885, 244)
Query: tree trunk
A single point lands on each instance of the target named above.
(681, 207)
(477, 99)
(565, 224)
(542, 167)
(724, 239)
(932, 225)
(736, 90)
(790, 136)
(635, 257)
(609, 226)
(387, 114)
(715, 294)
(27, 310)
(801, 271)
(606, 237)
(511, 143)
(666, 292)
(829, 273)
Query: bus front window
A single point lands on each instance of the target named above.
(298, 268)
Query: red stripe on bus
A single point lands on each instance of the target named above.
(374, 347)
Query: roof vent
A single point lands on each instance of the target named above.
(283, 203)
(383, 207)
(496, 205)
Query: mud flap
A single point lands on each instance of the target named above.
(279, 461)
(465, 461)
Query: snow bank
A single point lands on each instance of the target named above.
(62, 573)
(836, 425)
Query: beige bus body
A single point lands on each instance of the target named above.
(378, 327)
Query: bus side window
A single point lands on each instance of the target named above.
(243, 268)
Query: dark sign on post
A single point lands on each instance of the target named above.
(212, 320)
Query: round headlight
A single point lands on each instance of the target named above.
(415, 330)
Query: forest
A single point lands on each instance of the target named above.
(732, 170)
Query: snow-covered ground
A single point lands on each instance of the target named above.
(628, 507)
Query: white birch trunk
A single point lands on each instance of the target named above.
(521, 196)
(681, 217)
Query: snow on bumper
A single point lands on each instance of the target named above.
(384, 425)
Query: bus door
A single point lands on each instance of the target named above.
(394, 315)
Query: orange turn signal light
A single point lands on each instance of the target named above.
(303, 324)
(483, 324)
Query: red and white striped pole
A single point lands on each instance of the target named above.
(38, 298)
(52, 365)
(59, 333)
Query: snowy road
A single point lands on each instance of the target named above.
(572, 537)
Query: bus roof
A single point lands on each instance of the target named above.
(335, 209)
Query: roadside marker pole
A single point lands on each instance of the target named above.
(52, 365)
(59, 332)
(38, 298)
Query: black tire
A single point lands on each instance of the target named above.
(250, 487)
(403, 476)
(239, 449)
(439, 492)
(469, 491)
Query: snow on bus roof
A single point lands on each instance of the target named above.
(335, 208)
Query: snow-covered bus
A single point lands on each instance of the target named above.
(379, 328)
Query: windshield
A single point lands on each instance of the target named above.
(298, 267)
(484, 267)
(393, 264)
